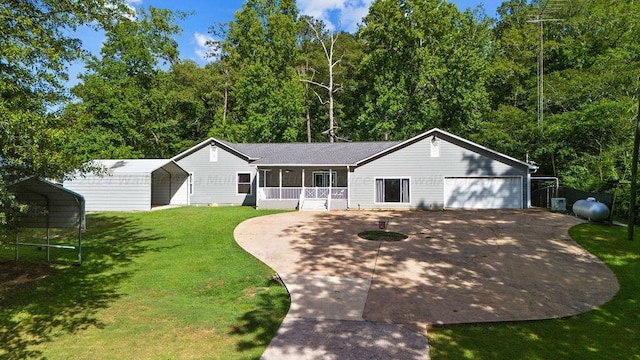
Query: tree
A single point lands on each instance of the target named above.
(591, 81)
(36, 48)
(328, 44)
(124, 93)
(425, 66)
(260, 46)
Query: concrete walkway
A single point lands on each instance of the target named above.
(353, 298)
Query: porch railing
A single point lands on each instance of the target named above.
(276, 193)
(293, 193)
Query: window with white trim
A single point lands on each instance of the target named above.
(392, 190)
(190, 183)
(244, 183)
(213, 153)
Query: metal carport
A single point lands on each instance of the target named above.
(49, 206)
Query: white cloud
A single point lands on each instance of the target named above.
(203, 50)
(134, 2)
(337, 14)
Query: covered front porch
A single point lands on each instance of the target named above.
(303, 188)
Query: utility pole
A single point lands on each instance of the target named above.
(634, 178)
(540, 73)
(540, 21)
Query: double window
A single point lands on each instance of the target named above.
(392, 190)
(244, 183)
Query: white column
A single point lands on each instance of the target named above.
(348, 188)
(257, 187)
(302, 194)
(329, 199)
(280, 184)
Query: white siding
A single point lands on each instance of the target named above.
(180, 190)
(122, 192)
(214, 182)
(414, 161)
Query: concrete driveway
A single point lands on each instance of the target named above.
(458, 266)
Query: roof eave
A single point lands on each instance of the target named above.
(437, 130)
(304, 165)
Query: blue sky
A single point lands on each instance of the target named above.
(340, 14)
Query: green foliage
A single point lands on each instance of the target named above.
(590, 90)
(124, 93)
(425, 66)
(261, 47)
(36, 47)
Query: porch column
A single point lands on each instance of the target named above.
(302, 193)
(280, 184)
(348, 188)
(329, 199)
(257, 187)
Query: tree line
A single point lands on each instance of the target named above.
(277, 76)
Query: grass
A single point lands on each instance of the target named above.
(170, 284)
(379, 235)
(609, 332)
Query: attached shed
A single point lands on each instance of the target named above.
(133, 185)
(49, 206)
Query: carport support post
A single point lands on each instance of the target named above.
(634, 178)
(80, 245)
(48, 245)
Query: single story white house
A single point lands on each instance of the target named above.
(435, 169)
(132, 184)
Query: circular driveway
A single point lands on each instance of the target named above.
(462, 266)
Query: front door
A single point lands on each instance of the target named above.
(321, 179)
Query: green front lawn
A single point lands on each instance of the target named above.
(609, 332)
(173, 284)
(170, 284)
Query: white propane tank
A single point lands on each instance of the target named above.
(591, 209)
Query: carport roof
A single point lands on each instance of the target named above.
(132, 166)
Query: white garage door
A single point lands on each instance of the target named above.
(483, 192)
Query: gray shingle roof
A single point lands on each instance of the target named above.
(340, 153)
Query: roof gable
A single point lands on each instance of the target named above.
(230, 147)
(454, 138)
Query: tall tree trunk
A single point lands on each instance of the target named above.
(331, 91)
(226, 97)
(306, 105)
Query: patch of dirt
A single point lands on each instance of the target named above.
(17, 273)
